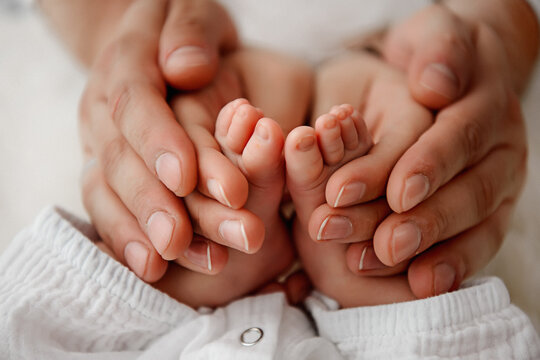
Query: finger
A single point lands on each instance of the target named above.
(362, 261)
(204, 256)
(194, 34)
(159, 213)
(462, 135)
(128, 78)
(218, 177)
(435, 47)
(466, 201)
(347, 225)
(119, 229)
(238, 229)
(446, 265)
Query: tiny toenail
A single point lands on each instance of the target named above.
(216, 190)
(188, 56)
(369, 260)
(306, 143)
(136, 255)
(160, 227)
(405, 241)
(261, 131)
(330, 123)
(234, 233)
(335, 227)
(416, 190)
(444, 277)
(440, 79)
(350, 193)
(169, 171)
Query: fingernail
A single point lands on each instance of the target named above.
(216, 190)
(369, 260)
(188, 56)
(199, 254)
(443, 278)
(160, 227)
(416, 190)
(405, 241)
(350, 193)
(136, 255)
(234, 233)
(306, 143)
(335, 227)
(440, 79)
(168, 171)
(261, 131)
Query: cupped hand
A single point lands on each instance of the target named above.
(139, 158)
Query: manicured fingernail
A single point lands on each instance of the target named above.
(335, 227)
(443, 278)
(234, 233)
(416, 190)
(160, 227)
(440, 79)
(216, 190)
(369, 260)
(136, 255)
(261, 131)
(199, 254)
(306, 143)
(168, 171)
(405, 241)
(188, 56)
(350, 193)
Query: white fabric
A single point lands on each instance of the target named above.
(62, 298)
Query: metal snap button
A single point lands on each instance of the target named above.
(251, 336)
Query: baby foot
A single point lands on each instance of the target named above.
(254, 145)
(312, 155)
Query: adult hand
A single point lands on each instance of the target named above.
(457, 185)
(140, 158)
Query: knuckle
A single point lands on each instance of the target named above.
(113, 154)
(439, 225)
(125, 96)
(485, 197)
(473, 140)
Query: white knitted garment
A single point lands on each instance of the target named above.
(61, 298)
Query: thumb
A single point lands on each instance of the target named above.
(194, 34)
(436, 49)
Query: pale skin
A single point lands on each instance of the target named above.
(116, 227)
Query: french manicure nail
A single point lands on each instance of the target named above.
(416, 190)
(216, 190)
(234, 233)
(168, 171)
(199, 254)
(443, 278)
(160, 227)
(369, 260)
(440, 79)
(188, 56)
(335, 227)
(350, 193)
(405, 241)
(136, 255)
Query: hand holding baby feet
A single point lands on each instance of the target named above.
(254, 145)
(312, 156)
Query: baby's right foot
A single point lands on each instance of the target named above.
(312, 156)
